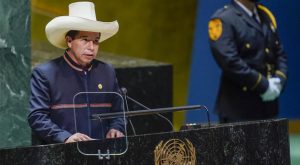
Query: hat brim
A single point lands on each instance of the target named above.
(57, 28)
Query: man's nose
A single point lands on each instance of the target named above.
(91, 45)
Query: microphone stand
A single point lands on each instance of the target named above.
(124, 92)
(142, 105)
(150, 111)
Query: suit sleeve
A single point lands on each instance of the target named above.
(280, 56)
(281, 61)
(39, 113)
(225, 52)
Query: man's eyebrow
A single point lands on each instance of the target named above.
(87, 37)
(83, 36)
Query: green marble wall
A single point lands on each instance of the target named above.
(15, 50)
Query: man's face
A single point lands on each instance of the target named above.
(84, 47)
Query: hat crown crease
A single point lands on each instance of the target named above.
(82, 17)
(83, 9)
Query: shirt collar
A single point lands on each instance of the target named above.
(76, 66)
(249, 12)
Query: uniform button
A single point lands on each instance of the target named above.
(225, 7)
(100, 86)
(267, 50)
(248, 46)
(277, 42)
(245, 88)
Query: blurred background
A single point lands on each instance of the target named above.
(168, 31)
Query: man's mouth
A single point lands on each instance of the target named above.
(90, 55)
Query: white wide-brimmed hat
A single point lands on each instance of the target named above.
(82, 17)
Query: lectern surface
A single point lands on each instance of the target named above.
(259, 142)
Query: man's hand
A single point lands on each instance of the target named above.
(113, 133)
(78, 137)
(273, 90)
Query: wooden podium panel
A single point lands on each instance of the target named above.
(257, 142)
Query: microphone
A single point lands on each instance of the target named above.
(124, 91)
(149, 111)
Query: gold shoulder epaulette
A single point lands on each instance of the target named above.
(269, 13)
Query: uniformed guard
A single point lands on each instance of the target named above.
(245, 44)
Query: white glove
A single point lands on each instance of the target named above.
(273, 90)
(278, 84)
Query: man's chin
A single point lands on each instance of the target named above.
(88, 60)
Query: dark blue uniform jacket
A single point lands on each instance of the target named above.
(57, 84)
(248, 53)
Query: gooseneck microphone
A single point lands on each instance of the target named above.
(124, 91)
(148, 111)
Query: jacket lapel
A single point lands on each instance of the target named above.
(265, 22)
(240, 12)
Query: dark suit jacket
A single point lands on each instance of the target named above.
(64, 97)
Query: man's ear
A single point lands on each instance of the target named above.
(68, 41)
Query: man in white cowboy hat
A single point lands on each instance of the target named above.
(55, 83)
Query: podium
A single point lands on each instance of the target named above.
(255, 142)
